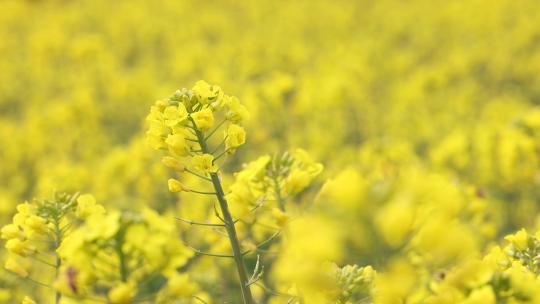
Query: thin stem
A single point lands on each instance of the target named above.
(220, 144)
(38, 282)
(58, 263)
(220, 155)
(273, 292)
(121, 255)
(199, 299)
(268, 240)
(201, 192)
(199, 223)
(44, 262)
(215, 129)
(211, 254)
(277, 190)
(229, 226)
(198, 175)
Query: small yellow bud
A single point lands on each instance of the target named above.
(28, 300)
(122, 294)
(368, 274)
(281, 217)
(179, 285)
(11, 232)
(173, 163)
(519, 239)
(36, 224)
(13, 266)
(19, 247)
(176, 186)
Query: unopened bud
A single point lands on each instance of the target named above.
(173, 163)
(176, 186)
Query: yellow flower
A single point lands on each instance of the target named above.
(28, 300)
(204, 163)
(100, 226)
(175, 114)
(179, 285)
(86, 206)
(497, 258)
(204, 119)
(206, 93)
(297, 181)
(177, 144)
(176, 186)
(12, 231)
(14, 266)
(519, 239)
(157, 128)
(394, 221)
(122, 294)
(236, 136)
(36, 224)
(24, 210)
(368, 274)
(19, 247)
(173, 163)
(237, 112)
(281, 217)
(482, 295)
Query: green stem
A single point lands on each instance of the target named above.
(229, 226)
(233, 238)
(58, 263)
(277, 190)
(121, 256)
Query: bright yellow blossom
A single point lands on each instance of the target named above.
(204, 119)
(204, 163)
(518, 239)
(206, 93)
(235, 137)
(177, 144)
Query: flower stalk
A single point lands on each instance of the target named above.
(229, 226)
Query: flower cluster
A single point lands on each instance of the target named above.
(40, 228)
(354, 283)
(273, 181)
(184, 125)
(124, 257)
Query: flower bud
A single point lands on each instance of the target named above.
(176, 186)
(13, 266)
(173, 163)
